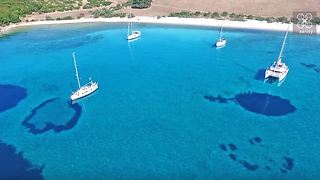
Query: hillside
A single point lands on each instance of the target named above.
(266, 8)
(13, 11)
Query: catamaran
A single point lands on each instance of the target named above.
(278, 69)
(221, 41)
(85, 90)
(132, 34)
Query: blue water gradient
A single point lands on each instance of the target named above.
(169, 106)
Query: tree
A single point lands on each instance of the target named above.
(224, 14)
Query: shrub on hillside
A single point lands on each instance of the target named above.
(140, 4)
(316, 20)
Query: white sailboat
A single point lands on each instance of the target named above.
(132, 34)
(221, 41)
(84, 90)
(278, 69)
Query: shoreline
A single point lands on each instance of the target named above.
(201, 22)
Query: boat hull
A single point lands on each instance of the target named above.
(84, 91)
(279, 76)
(221, 43)
(134, 35)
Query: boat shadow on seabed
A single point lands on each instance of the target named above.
(272, 80)
(259, 76)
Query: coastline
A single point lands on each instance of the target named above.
(201, 22)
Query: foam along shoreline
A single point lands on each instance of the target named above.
(249, 24)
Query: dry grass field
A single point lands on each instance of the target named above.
(266, 8)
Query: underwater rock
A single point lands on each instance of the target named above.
(223, 147)
(233, 147)
(233, 157)
(14, 166)
(288, 163)
(10, 96)
(74, 42)
(53, 114)
(248, 166)
(308, 65)
(251, 142)
(266, 104)
(283, 171)
(259, 103)
(219, 99)
(312, 67)
(255, 140)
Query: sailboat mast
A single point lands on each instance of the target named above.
(220, 34)
(282, 47)
(75, 66)
(128, 29)
(129, 24)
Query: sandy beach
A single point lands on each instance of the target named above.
(264, 8)
(249, 24)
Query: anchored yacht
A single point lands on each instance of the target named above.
(132, 35)
(278, 69)
(84, 90)
(221, 41)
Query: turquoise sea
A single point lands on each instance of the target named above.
(169, 105)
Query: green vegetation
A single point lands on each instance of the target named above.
(316, 20)
(114, 11)
(140, 4)
(65, 18)
(198, 14)
(224, 14)
(236, 17)
(182, 14)
(48, 18)
(128, 3)
(107, 13)
(13, 10)
(96, 3)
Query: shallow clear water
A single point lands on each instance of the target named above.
(170, 105)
